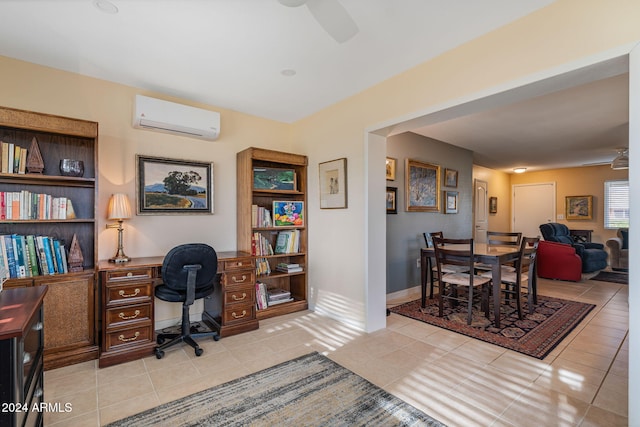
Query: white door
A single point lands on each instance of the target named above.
(533, 204)
(481, 211)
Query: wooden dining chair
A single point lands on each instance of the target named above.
(524, 272)
(500, 238)
(450, 284)
(434, 276)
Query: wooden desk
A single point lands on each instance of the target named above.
(492, 255)
(127, 303)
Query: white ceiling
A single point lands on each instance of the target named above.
(230, 53)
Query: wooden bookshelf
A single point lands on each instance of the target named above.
(296, 283)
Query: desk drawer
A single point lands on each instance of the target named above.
(128, 337)
(239, 313)
(239, 296)
(121, 316)
(120, 275)
(129, 293)
(234, 278)
(238, 264)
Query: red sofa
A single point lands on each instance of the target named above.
(558, 261)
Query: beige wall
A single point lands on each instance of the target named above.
(582, 181)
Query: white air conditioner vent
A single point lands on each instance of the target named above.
(179, 119)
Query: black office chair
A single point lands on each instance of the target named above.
(188, 273)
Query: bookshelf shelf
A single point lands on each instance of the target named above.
(248, 198)
(70, 303)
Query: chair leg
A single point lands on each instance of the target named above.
(470, 306)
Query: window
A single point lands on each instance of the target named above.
(616, 204)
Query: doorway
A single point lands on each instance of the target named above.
(533, 204)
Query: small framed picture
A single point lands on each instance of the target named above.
(392, 195)
(333, 184)
(450, 202)
(274, 179)
(450, 178)
(493, 205)
(579, 207)
(288, 213)
(391, 168)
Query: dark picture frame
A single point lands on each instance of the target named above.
(392, 200)
(493, 205)
(173, 186)
(450, 202)
(422, 186)
(579, 207)
(274, 179)
(333, 184)
(450, 178)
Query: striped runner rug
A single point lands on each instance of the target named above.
(311, 390)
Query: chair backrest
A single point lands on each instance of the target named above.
(174, 273)
(528, 252)
(428, 237)
(456, 256)
(555, 232)
(503, 238)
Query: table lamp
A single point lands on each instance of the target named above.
(119, 210)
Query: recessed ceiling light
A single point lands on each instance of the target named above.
(288, 72)
(519, 170)
(106, 6)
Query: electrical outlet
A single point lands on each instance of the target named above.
(418, 262)
(560, 216)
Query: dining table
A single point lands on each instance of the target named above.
(493, 255)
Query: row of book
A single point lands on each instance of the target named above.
(29, 256)
(260, 217)
(262, 266)
(260, 245)
(288, 242)
(13, 158)
(26, 205)
(266, 297)
(289, 267)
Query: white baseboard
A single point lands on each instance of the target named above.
(405, 294)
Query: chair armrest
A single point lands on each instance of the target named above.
(614, 244)
(579, 247)
(592, 245)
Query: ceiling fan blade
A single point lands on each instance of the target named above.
(333, 17)
(292, 3)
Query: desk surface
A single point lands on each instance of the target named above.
(156, 261)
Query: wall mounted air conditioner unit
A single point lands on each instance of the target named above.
(179, 119)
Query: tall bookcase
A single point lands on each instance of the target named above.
(70, 304)
(248, 196)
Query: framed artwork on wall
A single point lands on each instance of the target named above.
(422, 186)
(391, 168)
(450, 202)
(274, 179)
(173, 186)
(392, 197)
(579, 207)
(493, 205)
(450, 178)
(333, 184)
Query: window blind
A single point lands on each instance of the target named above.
(616, 204)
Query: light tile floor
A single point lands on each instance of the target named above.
(456, 379)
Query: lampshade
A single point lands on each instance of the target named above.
(621, 161)
(119, 207)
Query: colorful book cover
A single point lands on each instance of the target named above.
(33, 255)
(56, 248)
(21, 261)
(48, 255)
(11, 257)
(288, 213)
(44, 267)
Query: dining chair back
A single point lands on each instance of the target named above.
(434, 276)
(500, 238)
(451, 284)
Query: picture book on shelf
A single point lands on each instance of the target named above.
(288, 213)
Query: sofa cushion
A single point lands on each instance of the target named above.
(624, 235)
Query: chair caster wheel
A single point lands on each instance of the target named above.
(159, 354)
(159, 340)
(216, 337)
(199, 351)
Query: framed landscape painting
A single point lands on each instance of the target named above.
(172, 186)
(579, 207)
(422, 186)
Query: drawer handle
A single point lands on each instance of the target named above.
(26, 358)
(133, 338)
(235, 316)
(135, 314)
(135, 293)
(235, 297)
(244, 277)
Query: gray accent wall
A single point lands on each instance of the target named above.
(404, 229)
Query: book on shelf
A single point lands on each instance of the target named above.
(260, 217)
(287, 242)
(262, 267)
(260, 245)
(275, 302)
(261, 296)
(289, 268)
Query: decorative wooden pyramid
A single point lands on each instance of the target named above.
(75, 258)
(35, 164)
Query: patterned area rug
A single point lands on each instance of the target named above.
(311, 390)
(535, 335)
(613, 277)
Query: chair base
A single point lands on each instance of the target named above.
(188, 333)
